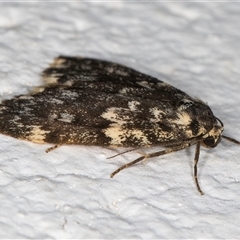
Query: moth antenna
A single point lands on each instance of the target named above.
(231, 139)
(118, 154)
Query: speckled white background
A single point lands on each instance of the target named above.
(68, 193)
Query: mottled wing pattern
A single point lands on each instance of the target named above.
(93, 102)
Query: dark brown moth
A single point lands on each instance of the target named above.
(93, 102)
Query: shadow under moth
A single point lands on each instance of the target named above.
(93, 102)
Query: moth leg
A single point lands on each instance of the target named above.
(169, 147)
(127, 165)
(145, 160)
(53, 147)
(155, 154)
(197, 153)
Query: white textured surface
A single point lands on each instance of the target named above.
(67, 193)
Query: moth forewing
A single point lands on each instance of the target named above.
(93, 102)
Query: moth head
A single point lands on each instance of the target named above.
(214, 136)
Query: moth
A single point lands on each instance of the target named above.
(93, 102)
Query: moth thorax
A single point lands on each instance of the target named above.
(213, 137)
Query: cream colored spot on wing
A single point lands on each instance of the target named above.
(51, 79)
(163, 84)
(58, 63)
(110, 69)
(52, 117)
(2, 108)
(65, 117)
(27, 97)
(123, 90)
(37, 90)
(69, 83)
(122, 73)
(157, 113)
(37, 135)
(57, 101)
(116, 133)
(183, 122)
(119, 135)
(16, 121)
(144, 84)
(112, 115)
(69, 94)
(133, 105)
(183, 119)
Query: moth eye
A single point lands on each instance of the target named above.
(209, 142)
